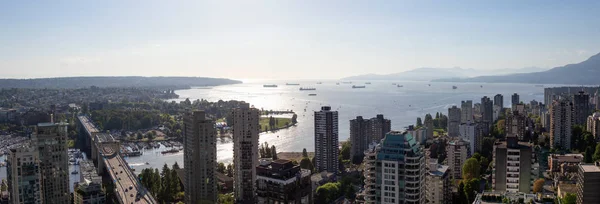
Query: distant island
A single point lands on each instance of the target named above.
(583, 73)
(115, 81)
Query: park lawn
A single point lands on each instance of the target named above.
(281, 123)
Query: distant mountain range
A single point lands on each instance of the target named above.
(116, 81)
(583, 73)
(429, 74)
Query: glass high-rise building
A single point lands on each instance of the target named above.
(51, 140)
(395, 171)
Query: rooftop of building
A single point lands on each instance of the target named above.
(88, 172)
(321, 176)
(567, 157)
(591, 168)
(458, 141)
(512, 143)
(48, 124)
(222, 177)
(439, 169)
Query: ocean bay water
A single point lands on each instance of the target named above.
(402, 105)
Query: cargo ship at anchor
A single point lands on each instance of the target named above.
(307, 89)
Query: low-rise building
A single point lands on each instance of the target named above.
(437, 184)
(280, 181)
(225, 182)
(557, 161)
(321, 179)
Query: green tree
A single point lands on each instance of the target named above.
(569, 198)
(230, 170)
(3, 185)
(470, 188)
(462, 197)
(221, 168)
(226, 198)
(273, 152)
(345, 153)
(350, 192)
(501, 126)
(175, 184)
(328, 192)
(471, 169)
(305, 163)
(596, 156)
(589, 155)
(166, 193)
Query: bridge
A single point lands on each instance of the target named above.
(105, 153)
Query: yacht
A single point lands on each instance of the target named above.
(270, 85)
(357, 87)
(454, 87)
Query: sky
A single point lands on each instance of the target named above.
(289, 39)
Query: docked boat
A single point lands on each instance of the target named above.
(170, 151)
(74, 172)
(270, 85)
(310, 95)
(292, 84)
(307, 89)
(357, 87)
(400, 85)
(454, 87)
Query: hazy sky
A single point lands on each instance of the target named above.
(289, 39)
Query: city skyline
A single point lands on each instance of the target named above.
(192, 38)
